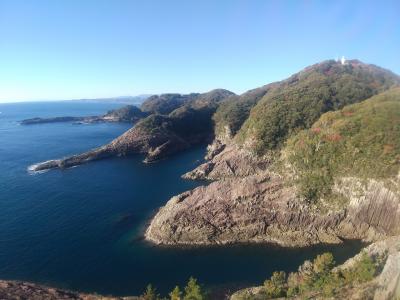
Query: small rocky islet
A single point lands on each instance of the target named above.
(311, 159)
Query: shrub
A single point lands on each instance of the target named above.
(364, 270)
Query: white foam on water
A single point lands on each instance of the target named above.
(32, 169)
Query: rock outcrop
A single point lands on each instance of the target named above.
(261, 208)
(249, 209)
(17, 290)
(227, 161)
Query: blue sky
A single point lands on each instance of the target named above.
(87, 49)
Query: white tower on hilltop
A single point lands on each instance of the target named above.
(343, 60)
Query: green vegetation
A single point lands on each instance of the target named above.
(150, 293)
(192, 291)
(361, 140)
(297, 102)
(275, 286)
(318, 278)
(364, 270)
(176, 294)
(167, 103)
(191, 121)
(128, 113)
(235, 110)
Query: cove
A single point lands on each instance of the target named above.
(81, 228)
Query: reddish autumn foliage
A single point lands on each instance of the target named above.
(333, 137)
(316, 129)
(347, 113)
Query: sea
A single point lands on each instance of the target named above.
(82, 228)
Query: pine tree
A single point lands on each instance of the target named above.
(150, 293)
(175, 294)
(193, 290)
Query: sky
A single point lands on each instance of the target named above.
(51, 50)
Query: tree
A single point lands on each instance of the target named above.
(275, 286)
(176, 294)
(323, 279)
(150, 293)
(324, 263)
(193, 290)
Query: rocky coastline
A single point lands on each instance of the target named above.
(385, 286)
(186, 121)
(241, 208)
(254, 195)
(128, 113)
(17, 290)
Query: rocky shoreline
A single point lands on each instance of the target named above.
(385, 286)
(17, 290)
(128, 113)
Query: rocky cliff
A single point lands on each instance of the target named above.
(260, 208)
(259, 199)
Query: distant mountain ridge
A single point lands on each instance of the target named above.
(136, 100)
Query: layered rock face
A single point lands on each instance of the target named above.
(249, 209)
(261, 208)
(227, 161)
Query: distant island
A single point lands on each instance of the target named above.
(311, 159)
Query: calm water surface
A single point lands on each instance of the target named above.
(81, 228)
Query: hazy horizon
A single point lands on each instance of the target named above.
(83, 50)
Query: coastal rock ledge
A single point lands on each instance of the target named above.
(19, 290)
(262, 209)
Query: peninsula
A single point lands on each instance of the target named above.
(311, 159)
(128, 113)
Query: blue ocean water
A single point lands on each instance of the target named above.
(81, 228)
